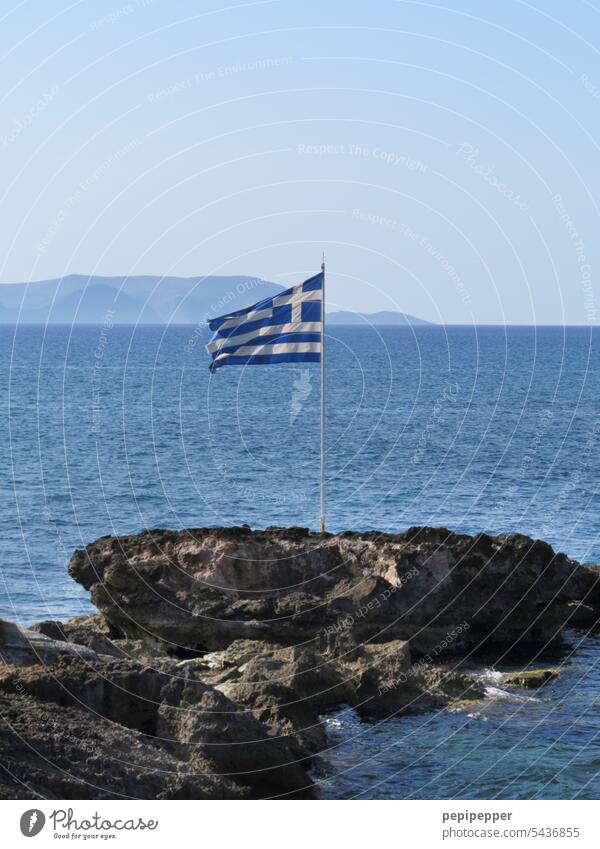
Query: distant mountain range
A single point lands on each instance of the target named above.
(379, 319)
(86, 299)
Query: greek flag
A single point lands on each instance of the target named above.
(286, 328)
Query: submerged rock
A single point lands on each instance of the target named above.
(531, 679)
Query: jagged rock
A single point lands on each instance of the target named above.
(199, 590)
(122, 691)
(211, 727)
(63, 753)
(381, 678)
(288, 689)
(177, 712)
(22, 646)
(93, 632)
(386, 683)
(285, 688)
(90, 631)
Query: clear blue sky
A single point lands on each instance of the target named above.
(446, 156)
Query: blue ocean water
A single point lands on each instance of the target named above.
(115, 429)
(517, 744)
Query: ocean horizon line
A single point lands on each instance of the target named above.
(429, 325)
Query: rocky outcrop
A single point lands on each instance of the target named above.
(211, 727)
(178, 729)
(90, 631)
(24, 647)
(247, 718)
(93, 632)
(289, 689)
(61, 753)
(217, 652)
(199, 590)
(285, 688)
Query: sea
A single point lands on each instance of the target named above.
(111, 429)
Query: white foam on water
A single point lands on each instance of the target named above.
(498, 693)
(492, 675)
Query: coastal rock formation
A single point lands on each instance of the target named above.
(199, 590)
(290, 688)
(24, 647)
(241, 723)
(184, 738)
(87, 631)
(216, 653)
(62, 753)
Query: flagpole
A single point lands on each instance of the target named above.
(323, 401)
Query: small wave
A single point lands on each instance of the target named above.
(478, 715)
(490, 674)
(498, 693)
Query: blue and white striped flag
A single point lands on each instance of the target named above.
(286, 328)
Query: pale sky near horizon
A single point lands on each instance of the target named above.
(444, 155)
